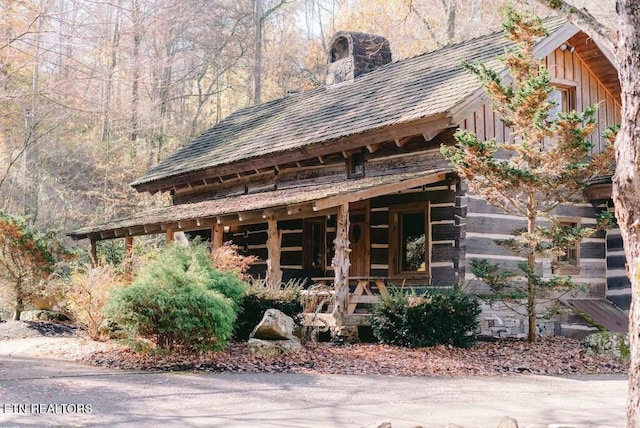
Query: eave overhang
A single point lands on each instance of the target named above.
(297, 202)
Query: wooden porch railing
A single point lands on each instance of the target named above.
(366, 290)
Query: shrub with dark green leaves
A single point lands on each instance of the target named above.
(179, 301)
(258, 298)
(430, 319)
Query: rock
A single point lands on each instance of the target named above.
(507, 422)
(384, 425)
(42, 315)
(275, 325)
(272, 348)
(607, 343)
(110, 329)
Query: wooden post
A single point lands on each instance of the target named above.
(169, 236)
(274, 241)
(128, 247)
(216, 236)
(341, 263)
(94, 253)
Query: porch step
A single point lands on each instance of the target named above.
(600, 313)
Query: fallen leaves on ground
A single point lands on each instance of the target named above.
(549, 356)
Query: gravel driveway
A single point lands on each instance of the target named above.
(38, 391)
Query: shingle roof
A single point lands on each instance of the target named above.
(416, 88)
(261, 201)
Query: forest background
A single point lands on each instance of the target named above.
(93, 93)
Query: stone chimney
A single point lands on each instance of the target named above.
(353, 54)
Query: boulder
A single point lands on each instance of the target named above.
(272, 348)
(42, 315)
(275, 325)
(607, 343)
(507, 422)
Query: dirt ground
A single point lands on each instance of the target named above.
(550, 356)
(41, 384)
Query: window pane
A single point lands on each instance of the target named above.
(317, 245)
(413, 242)
(570, 257)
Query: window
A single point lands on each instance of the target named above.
(569, 262)
(563, 98)
(355, 164)
(314, 249)
(409, 241)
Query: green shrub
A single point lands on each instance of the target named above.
(433, 318)
(179, 301)
(258, 298)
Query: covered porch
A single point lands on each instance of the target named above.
(338, 234)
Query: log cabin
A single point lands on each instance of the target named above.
(345, 183)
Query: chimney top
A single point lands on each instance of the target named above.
(352, 54)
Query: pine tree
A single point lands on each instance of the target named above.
(547, 162)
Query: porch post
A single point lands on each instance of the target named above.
(341, 263)
(128, 247)
(169, 236)
(94, 253)
(216, 236)
(274, 241)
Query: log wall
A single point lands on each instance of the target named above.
(485, 224)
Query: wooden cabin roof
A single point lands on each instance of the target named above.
(298, 201)
(432, 88)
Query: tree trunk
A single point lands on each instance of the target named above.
(135, 84)
(626, 183)
(257, 54)
(19, 307)
(341, 265)
(531, 264)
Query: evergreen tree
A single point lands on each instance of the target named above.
(547, 162)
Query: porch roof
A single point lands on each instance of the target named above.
(295, 202)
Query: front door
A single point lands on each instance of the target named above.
(359, 239)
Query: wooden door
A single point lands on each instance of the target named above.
(359, 239)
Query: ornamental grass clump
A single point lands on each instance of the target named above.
(179, 301)
(430, 319)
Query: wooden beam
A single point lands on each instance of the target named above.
(107, 234)
(217, 236)
(283, 213)
(169, 235)
(374, 147)
(297, 209)
(152, 228)
(250, 216)
(274, 242)
(429, 134)
(402, 141)
(341, 263)
(383, 189)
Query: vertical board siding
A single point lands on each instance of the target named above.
(486, 124)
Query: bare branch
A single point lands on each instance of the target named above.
(583, 19)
